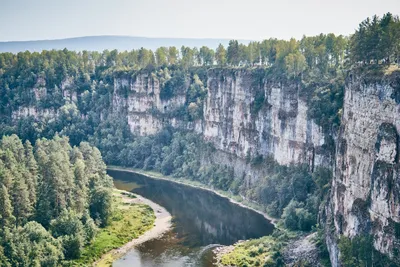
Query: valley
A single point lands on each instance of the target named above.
(305, 132)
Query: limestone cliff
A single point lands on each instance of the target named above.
(366, 186)
(139, 97)
(279, 128)
(245, 114)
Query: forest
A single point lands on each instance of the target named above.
(39, 182)
(53, 199)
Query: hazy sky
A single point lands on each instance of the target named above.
(244, 19)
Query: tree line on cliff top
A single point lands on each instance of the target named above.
(292, 57)
(376, 39)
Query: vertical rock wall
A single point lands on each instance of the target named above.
(366, 186)
(280, 128)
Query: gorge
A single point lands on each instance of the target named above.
(306, 130)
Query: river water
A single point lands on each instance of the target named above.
(202, 220)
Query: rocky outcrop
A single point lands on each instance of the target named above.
(302, 252)
(139, 97)
(38, 113)
(39, 92)
(365, 196)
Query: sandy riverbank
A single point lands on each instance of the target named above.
(162, 225)
(269, 218)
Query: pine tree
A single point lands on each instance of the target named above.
(5, 175)
(233, 53)
(54, 180)
(173, 55)
(4, 262)
(81, 186)
(20, 199)
(31, 172)
(386, 44)
(14, 145)
(56, 184)
(220, 55)
(6, 212)
(95, 167)
(44, 208)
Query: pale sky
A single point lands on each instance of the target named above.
(233, 19)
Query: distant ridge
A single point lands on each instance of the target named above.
(100, 43)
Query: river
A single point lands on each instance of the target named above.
(202, 220)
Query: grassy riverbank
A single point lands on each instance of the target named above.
(264, 251)
(257, 252)
(128, 221)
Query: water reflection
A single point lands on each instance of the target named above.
(201, 219)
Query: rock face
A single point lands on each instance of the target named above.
(245, 115)
(366, 186)
(280, 128)
(139, 98)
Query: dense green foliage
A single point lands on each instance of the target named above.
(175, 84)
(360, 251)
(295, 194)
(49, 201)
(377, 40)
(265, 251)
(127, 221)
(173, 153)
